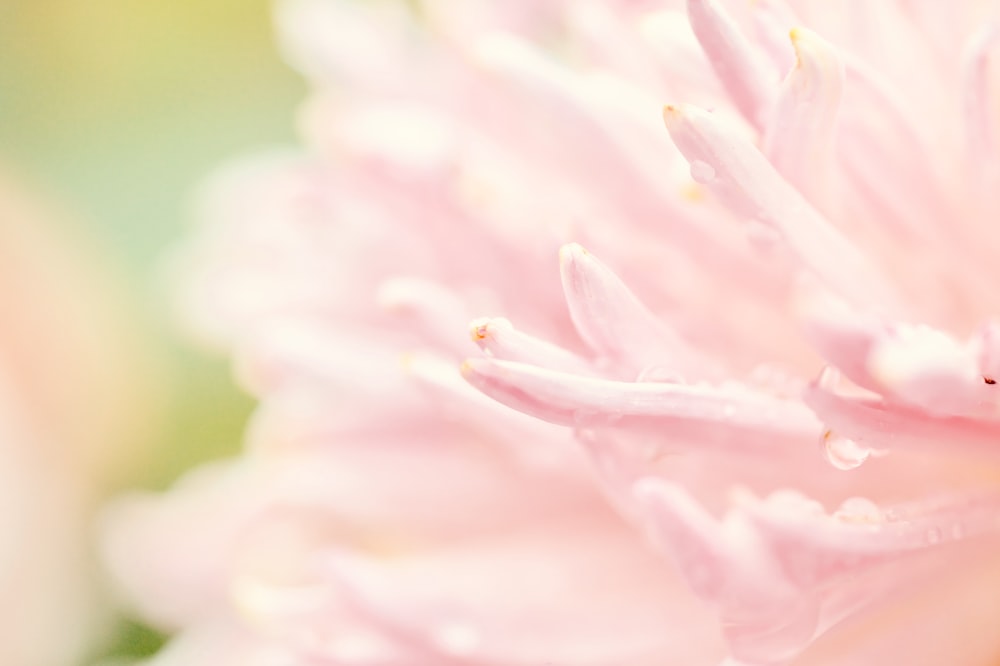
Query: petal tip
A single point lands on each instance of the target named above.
(479, 329)
(671, 113)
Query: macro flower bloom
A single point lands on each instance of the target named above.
(731, 397)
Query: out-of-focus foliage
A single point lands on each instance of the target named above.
(118, 109)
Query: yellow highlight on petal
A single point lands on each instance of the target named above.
(693, 192)
(795, 34)
(478, 332)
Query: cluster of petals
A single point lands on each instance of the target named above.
(730, 395)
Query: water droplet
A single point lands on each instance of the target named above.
(702, 172)
(841, 452)
(933, 535)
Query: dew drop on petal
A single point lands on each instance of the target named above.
(702, 172)
(841, 452)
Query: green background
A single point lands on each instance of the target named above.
(118, 108)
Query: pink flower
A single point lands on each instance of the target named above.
(657, 494)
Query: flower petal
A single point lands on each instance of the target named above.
(739, 66)
(877, 425)
(980, 133)
(613, 322)
(799, 136)
(745, 181)
(733, 419)
(498, 337)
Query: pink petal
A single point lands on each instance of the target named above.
(499, 338)
(737, 63)
(729, 418)
(980, 133)
(745, 181)
(782, 572)
(876, 425)
(800, 133)
(916, 365)
(613, 322)
(772, 20)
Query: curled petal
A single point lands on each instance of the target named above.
(979, 132)
(498, 337)
(772, 19)
(613, 322)
(767, 620)
(842, 336)
(736, 62)
(916, 365)
(732, 167)
(781, 571)
(575, 126)
(729, 418)
(799, 136)
(877, 425)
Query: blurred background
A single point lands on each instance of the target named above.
(116, 110)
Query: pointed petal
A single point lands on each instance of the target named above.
(691, 536)
(498, 337)
(765, 618)
(782, 571)
(431, 309)
(672, 45)
(975, 97)
(986, 342)
(772, 19)
(613, 322)
(734, 419)
(842, 336)
(573, 125)
(743, 178)
(916, 365)
(876, 425)
(799, 136)
(739, 65)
